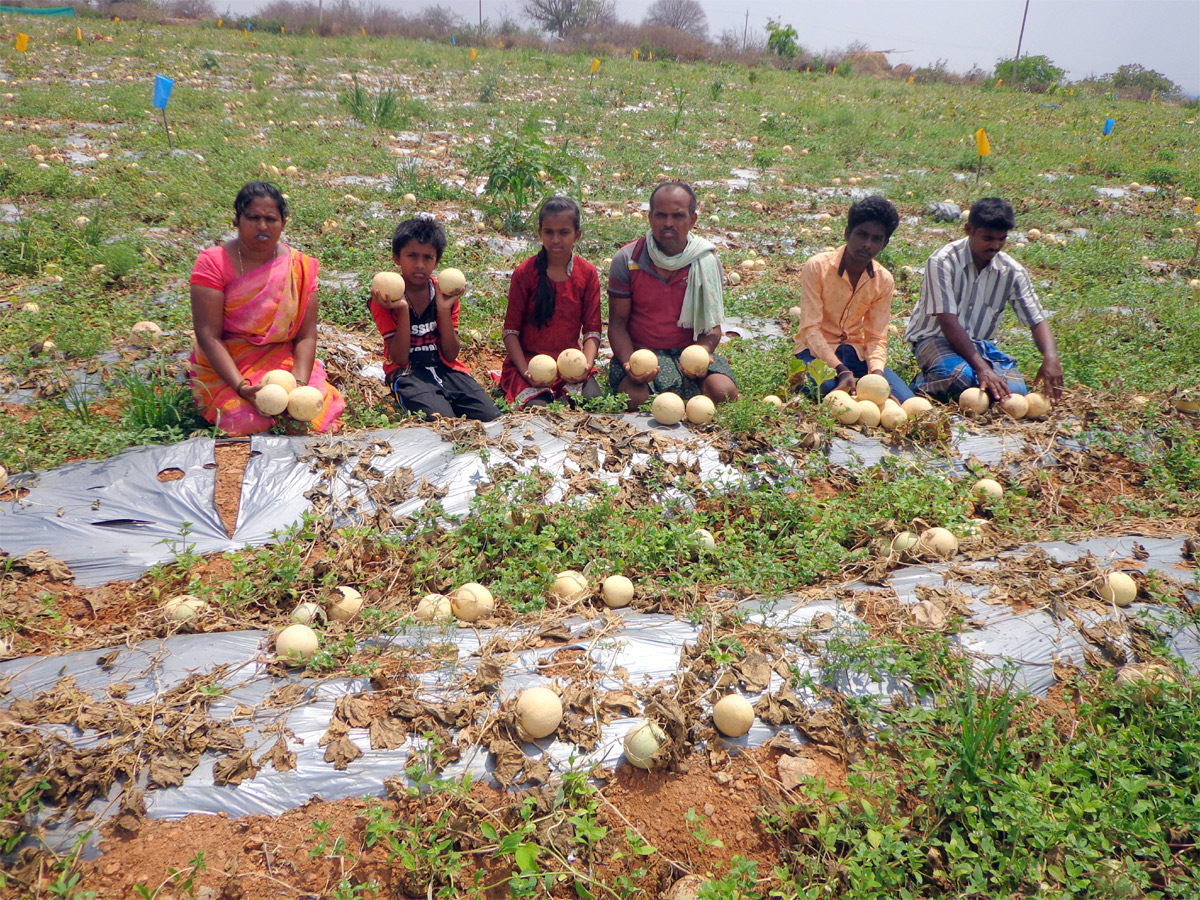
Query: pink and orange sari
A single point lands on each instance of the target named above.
(264, 310)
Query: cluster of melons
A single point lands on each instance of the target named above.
(872, 404)
(468, 603)
(974, 402)
(275, 171)
(279, 393)
(296, 644)
(938, 543)
(544, 368)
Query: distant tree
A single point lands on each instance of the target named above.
(1033, 71)
(560, 16)
(684, 15)
(191, 9)
(781, 39)
(1145, 81)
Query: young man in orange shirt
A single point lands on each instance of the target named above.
(846, 302)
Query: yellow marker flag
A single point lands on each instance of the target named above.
(364, 32)
(999, 81)
(1071, 92)
(1198, 207)
(22, 42)
(981, 143)
(116, 18)
(637, 54)
(474, 54)
(650, 55)
(595, 66)
(911, 79)
(220, 23)
(281, 29)
(78, 34)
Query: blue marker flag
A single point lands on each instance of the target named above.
(1109, 125)
(162, 91)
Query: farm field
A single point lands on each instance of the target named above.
(957, 783)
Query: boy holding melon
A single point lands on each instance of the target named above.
(420, 331)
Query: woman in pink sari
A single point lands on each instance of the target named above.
(254, 309)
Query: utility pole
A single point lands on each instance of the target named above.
(1016, 73)
(746, 31)
(481, 15)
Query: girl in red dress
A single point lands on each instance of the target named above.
(553, 302)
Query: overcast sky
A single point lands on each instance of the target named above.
(1085, 37)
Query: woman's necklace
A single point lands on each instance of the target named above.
(242, 262)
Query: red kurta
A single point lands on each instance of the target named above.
(576, 317)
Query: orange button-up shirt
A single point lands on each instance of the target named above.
(834, 312)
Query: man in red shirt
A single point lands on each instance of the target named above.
(665, 293)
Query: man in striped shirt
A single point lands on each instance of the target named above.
(967, 284)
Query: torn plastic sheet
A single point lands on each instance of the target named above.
(113, 519)
(644, 653)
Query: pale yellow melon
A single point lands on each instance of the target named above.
(305, 403)
(704, 539)
(452, 282)
(184, 607)
(346, 604)
(281, 377)
(668, 408)
(307, 613)
(939, 542)
(868, 413)
(973, 402)
(389, 288)
(616, 591)
(572, 363)
(472, 602)
(1015, 405)
(987, 489)
(296, 644)
(271, 399)
(570, 586)
(694, 361)
(915, 406)
(1118, 588)
(892, 417)
(642, 362)
(539, 712)
(874, 388)
(700, 410)
(733, 715)
(844, 407)
(1039, 406)
(543, 369)
(773, 400)
(434, 608)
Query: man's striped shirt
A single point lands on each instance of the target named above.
(952, 284)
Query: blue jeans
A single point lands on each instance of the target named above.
(945, 374)
(849, 358)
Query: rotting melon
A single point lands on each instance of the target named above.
(452, 282)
